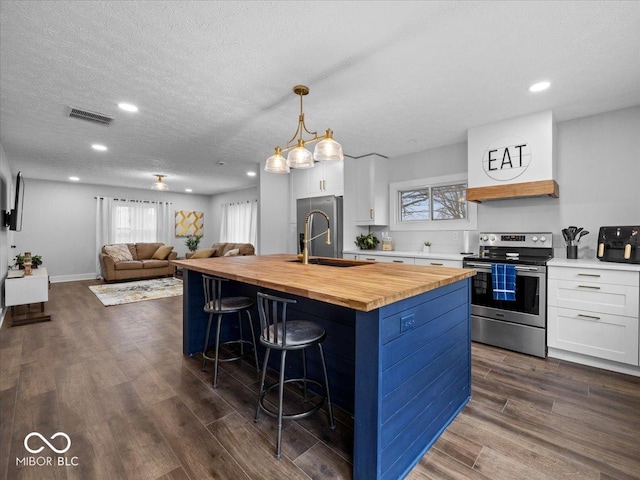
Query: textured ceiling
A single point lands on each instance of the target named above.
(213, 79)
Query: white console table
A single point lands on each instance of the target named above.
(27, 290)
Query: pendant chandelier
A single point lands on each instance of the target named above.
(159, 184)
(327, 149)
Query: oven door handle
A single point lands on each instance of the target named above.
(487, 266)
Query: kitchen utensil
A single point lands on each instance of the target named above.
(582, 234)
(565, 234)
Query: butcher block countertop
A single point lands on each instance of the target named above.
(365, 287)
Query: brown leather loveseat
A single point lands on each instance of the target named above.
(144, 260)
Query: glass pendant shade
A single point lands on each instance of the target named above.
(160, 185)
(300, 157)
(276, 163)
(328, 150)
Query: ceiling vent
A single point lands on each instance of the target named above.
(88, 116)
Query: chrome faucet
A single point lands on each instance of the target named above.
(306, 240)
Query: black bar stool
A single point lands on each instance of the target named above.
(276, 332)
(215, 304)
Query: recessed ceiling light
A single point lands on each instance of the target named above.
(539, 87)
(74, 179)
(188, 190)
(127, 107)
(251, 174)
(100, 148)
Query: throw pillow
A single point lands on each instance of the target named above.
(232, 253)
(119, 252)
(162, 252)
(204, 253)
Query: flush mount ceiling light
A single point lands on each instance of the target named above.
(100, 148)
(127, 107)
(74, 179)
(539, 87)
(160, 185)
(327, 149)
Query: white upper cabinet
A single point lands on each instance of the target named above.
(325, 178)
(371, 190)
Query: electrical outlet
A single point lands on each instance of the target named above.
(455, 236)
(407, 323)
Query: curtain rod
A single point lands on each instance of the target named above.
(129, 200)
(241, 202)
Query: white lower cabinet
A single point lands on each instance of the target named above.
(594, 312)
(386, 259)
(436, 262)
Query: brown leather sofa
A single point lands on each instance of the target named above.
(142, 265)
(222, 249)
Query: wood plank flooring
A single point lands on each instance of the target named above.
(114, 379)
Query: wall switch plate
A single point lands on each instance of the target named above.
(455, 235)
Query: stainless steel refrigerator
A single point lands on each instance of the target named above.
(332, 206)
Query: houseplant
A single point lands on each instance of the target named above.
(35, 261)
(426, 248)
(367, 242)
(192, 242)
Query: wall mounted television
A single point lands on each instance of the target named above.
(13, 218)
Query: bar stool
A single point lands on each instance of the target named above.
(215, 304)
(276, 332)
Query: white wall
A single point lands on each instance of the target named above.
(6, 190)
(598, 172)
(59, 223)
(273, 212)
(213, 228)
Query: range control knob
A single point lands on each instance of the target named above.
(484, 238)
(535, 239)
(493, 238)
(543, 239)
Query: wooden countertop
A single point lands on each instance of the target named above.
(364, 287)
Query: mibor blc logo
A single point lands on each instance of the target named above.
(35, 443)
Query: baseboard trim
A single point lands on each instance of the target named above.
(593, 362)
(73, 278)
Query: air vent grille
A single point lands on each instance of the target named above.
(89, 116)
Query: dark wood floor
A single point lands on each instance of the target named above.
(114, 379)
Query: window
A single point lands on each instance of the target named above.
(134, 222)
(438, 203)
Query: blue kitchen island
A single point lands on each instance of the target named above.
(398, 344)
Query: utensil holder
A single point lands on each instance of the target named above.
(572, 251)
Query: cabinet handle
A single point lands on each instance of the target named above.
(437, 264)
(371, 259)
(324, 185)
(591, 317)
(589, 286)
(371, 214)
(398, 261)
(320, 184)
(589, 275)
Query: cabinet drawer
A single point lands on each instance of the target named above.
(592, 275)
(437, 262)
(600, 335)
(386, 259)
(594, 297)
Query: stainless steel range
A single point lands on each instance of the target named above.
(518, 322)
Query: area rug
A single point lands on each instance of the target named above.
(121, 293)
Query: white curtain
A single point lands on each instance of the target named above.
(166, 223)
(132, 221)
(239, 222)
(104, 206)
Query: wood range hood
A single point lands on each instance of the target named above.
(540, 188)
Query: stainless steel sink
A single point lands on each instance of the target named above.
(333, 262)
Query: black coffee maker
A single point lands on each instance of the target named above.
(619, 244)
